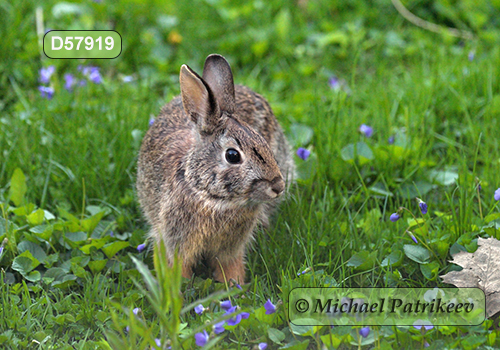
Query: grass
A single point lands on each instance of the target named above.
(78, 151)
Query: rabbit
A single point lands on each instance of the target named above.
(212, 166)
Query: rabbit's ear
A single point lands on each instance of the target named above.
(198, 101)
(217, 73)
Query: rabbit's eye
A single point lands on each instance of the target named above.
(233, 156)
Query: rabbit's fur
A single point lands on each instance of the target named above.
(196, 201)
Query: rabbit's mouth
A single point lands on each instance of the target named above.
(265, 190)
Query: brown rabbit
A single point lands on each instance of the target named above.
(210, 169)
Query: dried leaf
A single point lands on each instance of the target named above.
(481, 269)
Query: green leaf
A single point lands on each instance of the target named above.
(97, 265)
(66, 215)
(25, 263)
(276, 335)
(334, 37)
(48, 215)
(296, 345)
(370, 221)
(66, 282)
(492, 217)
(81, 261)
(283, 23)
(151, 282)
(443, 177)
(393, 259)
(93, 210)
(77, 265)
(17, 187)
(33, 276)
(71, 240)
(307, 168)
(360, 150)
(415, 222)
(414, 189)
(3, 226)
(111, 249)
(65, 8)
(456, 248)
(300, 135)
(473, 341)
(331, 340)
(303, 329)
(36, 218)
(417, 253)
(54, 274)
(363, 260)
(379, 189)
(96, 243)
(43, 231)
(36, 251)
(64, 319)
(88, 225)
(430, 270)
(51, 259)
(24, 210)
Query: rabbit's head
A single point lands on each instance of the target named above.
(229, 162)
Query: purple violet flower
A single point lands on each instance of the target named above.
(391, 140)
(158, 342)
(423, 324)
(226, 305)
(262, 346)
(95, 76)
(394, 217)
(412, 237)
(151, 121)
(85, 70)
(201, 338)
(46, 73)
(497, 195)
(235, 320)
(471, 55)
(46, 92)
(364, 331)
(422, 205)
(141, 247)
(303, 153)
(199, 309)
(219, 327)
(92, 73)
(136, 310)
(366, 130)
(70, 81)
(334, 83)
(270, 307)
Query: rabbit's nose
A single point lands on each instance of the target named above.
(278, 186)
